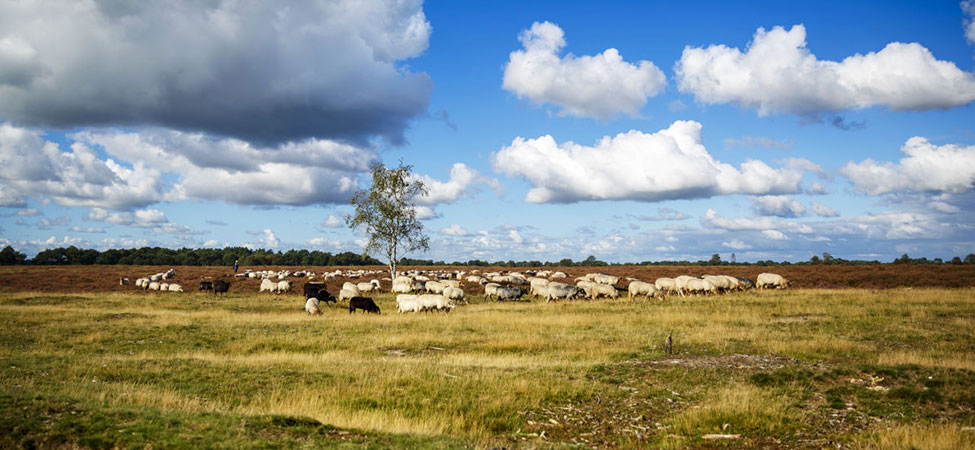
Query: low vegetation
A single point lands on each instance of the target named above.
(793, 368)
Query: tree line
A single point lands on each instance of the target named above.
(159, 256)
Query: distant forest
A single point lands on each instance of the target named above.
(158, 256)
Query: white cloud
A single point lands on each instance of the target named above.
(774, 235)
(777, 205)
(32, 166)
(211, 243)
(601, 86)
(455, 230)
(663, 214)
(269, 241)
(324, 242)
(144, 218)
(333, 222)
(778, 74)
(822, 210)
(944, 207)
(713, 219)
(459, 186)
(927, 168)
(666, 165)
(43, 223)
(736, 244)
(815, 188)
(758, 141)
(259, 71)
(968, 8)
(29, 212)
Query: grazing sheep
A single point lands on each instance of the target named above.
(407, 303)
(681, 282)
(206, 285)
(173, 287)
(433, 287)
(746, 284)
(153, 286)
(603, 290)
(283, 286)
(371, 286)
(560, 291)
(453, 293)
(642, 288)
(220, 287)
(404, 285)
(430, 302)
(268, 286)
(364, 303)
(312, 306)
(698, 285)
(163, 286)
(504, 293)
(666, 285)
(491, 289)
(123, 281)
(586, 286)
(312, 288)
(771, 280)
(536, 286)
(559, 275)
(603, 278)
(348, 294)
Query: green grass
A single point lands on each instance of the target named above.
(796, 368)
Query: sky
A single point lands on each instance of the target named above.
(629, 131)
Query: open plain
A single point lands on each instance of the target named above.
(87, 362)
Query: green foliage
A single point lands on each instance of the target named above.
(387, 213)
(10, 257)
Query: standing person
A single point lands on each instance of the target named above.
(235, 265)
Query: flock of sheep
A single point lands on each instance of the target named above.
(440, 290)
(156, 282)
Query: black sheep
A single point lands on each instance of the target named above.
(363, 303)
(324, 296)
(206, 285)
(220, 286)
(312, 289)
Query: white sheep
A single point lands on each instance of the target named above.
(453, 293)
(268, 286)
(153, 286)
(346, 293)
(643, 288)
(771, 280)
(163, 286)
(407, 303)
(560, 291)
(371, 286)
(699, 285)
(312, 306)
(603, 290)
(433, 286)
(536, 285)
(664, 284)
(283, 286)
(430, 302)
(173, 287)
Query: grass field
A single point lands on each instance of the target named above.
(795, 368)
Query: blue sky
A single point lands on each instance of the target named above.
(631, 131)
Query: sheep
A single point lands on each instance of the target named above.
(366, 304)
(153, 286)
(173, 287)
(450, 283)
(586, 286)
(163, 286)
(268, 286)
(720, 282)
(490, 289)
(603, 278)
(433, 287)
(123, 281)
(681, 282)
(536, 285)
(220, 287)
(312, 306)
(558, 291)
(558, 275)
(603, 290)
(348, 294)
(403, 284)
(508, 293)
(371, 286)
(283, 286)
(155, 277)
(453, 293)
(429, 302)
(666, 285)
(142, 282)
(407, 303)
(771, 280)
(698, 285)
(746, 284)
(169, 274)
(642, 288)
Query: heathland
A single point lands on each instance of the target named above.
(95, 364)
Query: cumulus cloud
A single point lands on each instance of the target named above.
(736, 244)
(462, 183)
(31, 165)
(927, 168)
(774, 235)
(144, 218)
(778, 74)
(29, 212)
(324, 242)
(333, 222)
(455, 230)
(713, 219)
(777, 205)
(44, 223)
(269, 240)
(822, 210)
(666, 165)
(78, 229)
(263, 72)
(601, 86)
